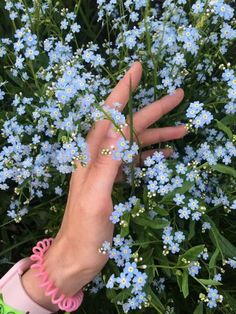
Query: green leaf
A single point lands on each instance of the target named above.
(191, 230)
(191, 254)
(155, 301)
(229, 119)
(122, 296)
(212, 262)
(148, 256)
(156, 223)
(210, 282)
(224, 169)
(227, 247)
(179, 278)
(228, 299)
(199, 309)
(220, 241)
(161, 211)
(110, 293)
(14, 78)
(225, 129)
(185, 288)
(145, 198)
(162, 260)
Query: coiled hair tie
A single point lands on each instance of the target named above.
(64, 303)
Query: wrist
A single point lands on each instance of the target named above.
(63, 268)
(31, 284)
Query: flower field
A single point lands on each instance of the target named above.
(174, 246)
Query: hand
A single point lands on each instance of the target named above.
(73, 259)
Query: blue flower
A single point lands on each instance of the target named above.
(116, 154)
(213, 294)
(30, 39)
(198, 6)
(193, 109)
(18, 45)
(184, 212)
(75, 27)
(122, 144)
(193, 204)
(167, 238)
(114, 254)
(111, 282)
(181, 168)
(206, 116)
(223, 10)
(196, 215)
(124, 280)
(179, 236)
(64, 24)
(125, 252)
(228, 75)
(179, 199)
(140, 279)
(36, 139)
(2, 94)
(194, 270)
(130, 40)
(227, 32)
(118, 240)
(130, 268)
(174, 247)
(31, 52)
(217, 277)
(152, 186)
(19, 62)
(232, 262)
(232, 93)
(211, 304)
(58, 190)
(115, 217)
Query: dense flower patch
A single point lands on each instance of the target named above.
(174, 244)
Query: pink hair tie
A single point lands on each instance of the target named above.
(64, 303)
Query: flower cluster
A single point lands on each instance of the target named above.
(171, 240)
(197, 115)
(190, 208)
(68, 23)
(125, 151)
(130, 276)
(230, 78)
(212, 298)
(121, 208)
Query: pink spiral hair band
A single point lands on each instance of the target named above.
(64, 303)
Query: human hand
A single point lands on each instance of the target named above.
(73, 259)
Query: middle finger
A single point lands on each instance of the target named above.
(154, 111)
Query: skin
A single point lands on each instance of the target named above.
(73, 259)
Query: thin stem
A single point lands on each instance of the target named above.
(130, 106)
(34, 75)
